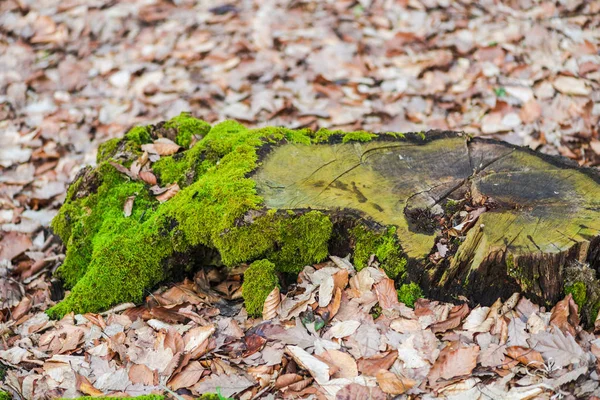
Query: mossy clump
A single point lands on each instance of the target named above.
(259, 280)
(578, 291)
(409, 293)
(187, 126)
(5, 396)
(383, 245)
(112, 258)
(107, 149)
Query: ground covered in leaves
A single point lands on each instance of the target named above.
(73, 74)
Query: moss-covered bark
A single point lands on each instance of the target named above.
(286, 195)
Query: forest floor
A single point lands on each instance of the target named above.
(76, 73)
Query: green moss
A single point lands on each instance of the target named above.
(578, 291)
(214, 396)
(139, 135)
(358, 136)
(107, 150)
(384, 246)
(112, 258)
(259, 280)
(5, 396)
(409, 293)
(187, 126)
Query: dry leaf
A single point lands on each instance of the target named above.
(391, 383)
(565, 315)
(140, 373)
(148, 177)
(386, 294)
(346, 366)
(525, 356)
(454, 360)
(317, 368)
(171, 191)
(343, 329)
(370, 366)
(162, 147)
(187, 377)
(570, 85)
(271, 304)
(196, 336)
(128, 207)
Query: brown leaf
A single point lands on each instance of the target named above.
(454, 360)
(172, 190)
(531, 111)
(317, 368)
(386, 294)
(457, 313)
(187, 377)
(140, 373)
(286, 380)
(527, 357)
(174, 341)
(565, 315)
(271, 304)
(12, 244)
(85, 386)
(254, 343)
(123, 169)
(162, 147)
(196, 336)
(228, 385)
(346, 366)
(370, 366)
(148, 177)
(354, 391)
(391, 383)
(128, 207)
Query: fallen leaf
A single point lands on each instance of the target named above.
(386, 294)
(457, 313)
(525, 356)
(128, 207)
(148, 177)
(354, 391)
(317, 368)
(570, 85)
(565, 315)
(454, 360)
(227, 385)
(187, 377)
(271, 304)
(391, 383)
(162, 147)
(140, 373)
(196, 336)
(370, 366)
(343, 329)
(171, 191)
(346, 365)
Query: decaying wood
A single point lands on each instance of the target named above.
(541, 212)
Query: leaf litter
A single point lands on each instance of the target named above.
(526, 72)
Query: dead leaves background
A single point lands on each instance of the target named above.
(73, 74)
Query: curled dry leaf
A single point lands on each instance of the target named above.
(343, 329)
(162, 147)
(525, 356)
(391, 383)
(386, 294)
(271, 304)
(128, 207)
(171, 191)
(370, 366)
(196, 336)
(317, 368)
(123, 169)
(565, 315)
(148, 177)
(457, 313)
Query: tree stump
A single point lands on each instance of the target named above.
(459, 215)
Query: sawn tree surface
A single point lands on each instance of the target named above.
(456, 214)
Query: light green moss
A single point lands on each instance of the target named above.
(5, 396)
(384, 246)
(578, 291)
(112, 258)
(139, 135)
(187, 127)
(358, 136)
(409, 293)
(107, 150)
(259, 280)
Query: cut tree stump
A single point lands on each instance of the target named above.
(473, 217)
